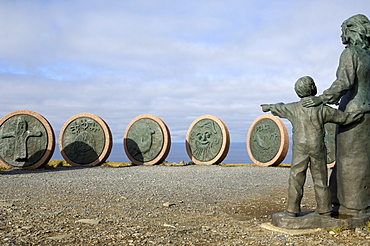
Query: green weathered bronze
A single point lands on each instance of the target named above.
(23, 140)
(205, 140)
(330, 142)
(350, 179)
(309, 145)
(265, 140)
(83, 140)
(144, 140)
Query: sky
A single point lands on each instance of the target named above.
(177, 60)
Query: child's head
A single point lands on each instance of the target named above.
(305, 87)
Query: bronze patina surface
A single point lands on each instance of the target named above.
(207, 140)
(85, 139)
(267, 141)
(350, 179)
(147, 140)
(26, 140)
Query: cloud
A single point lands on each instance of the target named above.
(175, 60)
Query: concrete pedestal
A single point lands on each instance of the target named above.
(309, 220)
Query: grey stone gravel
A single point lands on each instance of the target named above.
(152, 205)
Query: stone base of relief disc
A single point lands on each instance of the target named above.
(310, 220)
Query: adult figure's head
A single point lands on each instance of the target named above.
(356, 32)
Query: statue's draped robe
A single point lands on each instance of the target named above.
(350, 181)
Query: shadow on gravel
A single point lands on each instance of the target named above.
(254, 209)
(265, 205)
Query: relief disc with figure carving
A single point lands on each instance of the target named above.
(147, 140)
(26, 140)
(267, 141)
(85, 139)
(207, 140)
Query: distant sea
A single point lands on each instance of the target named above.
(237, 154)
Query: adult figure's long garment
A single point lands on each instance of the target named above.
(350, 181)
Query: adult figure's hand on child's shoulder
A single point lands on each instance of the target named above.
(311, 101)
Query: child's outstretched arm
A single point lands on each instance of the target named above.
(279, 109)
(265, 107)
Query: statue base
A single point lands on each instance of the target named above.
(311, 220)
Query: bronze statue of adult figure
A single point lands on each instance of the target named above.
(350, 179)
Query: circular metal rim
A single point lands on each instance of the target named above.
(51, 139)
(284, 141)
(166, 141)
(107, 133)
(225, 144)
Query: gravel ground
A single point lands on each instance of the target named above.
(153, 205)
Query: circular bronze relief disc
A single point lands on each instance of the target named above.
(85, 139)
(147, 140)
(267, 141)
(26, 140)
(207, 140)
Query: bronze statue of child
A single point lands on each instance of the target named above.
(308, 145)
